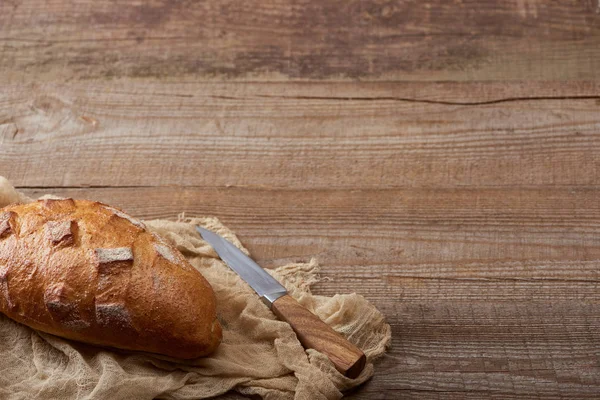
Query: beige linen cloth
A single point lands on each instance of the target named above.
(259, 355)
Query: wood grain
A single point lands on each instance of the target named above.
(439, 157)
(316, 334)
(429, 40)
(370, 135)
(491, 292)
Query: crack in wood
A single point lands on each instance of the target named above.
(483, 279)
(439, 102)
(579, 188)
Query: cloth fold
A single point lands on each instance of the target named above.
(259, 355)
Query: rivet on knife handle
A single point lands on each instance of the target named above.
(311, 331)
(316, 334)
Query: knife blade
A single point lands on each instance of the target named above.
(312, 332)
(263, 284)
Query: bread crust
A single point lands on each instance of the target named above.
(89, 272)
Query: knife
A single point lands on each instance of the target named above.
(311, 331)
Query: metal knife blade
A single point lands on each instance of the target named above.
(263, 284)
(311, 331)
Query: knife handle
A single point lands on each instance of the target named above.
(316, 334)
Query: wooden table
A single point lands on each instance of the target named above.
(441, 158)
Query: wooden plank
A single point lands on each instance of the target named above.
(489, 240)
(490, 292)
(502, 350)
(301, 135)
(430, 40)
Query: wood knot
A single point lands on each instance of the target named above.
(47, 104)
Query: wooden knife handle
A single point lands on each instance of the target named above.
(316, 334)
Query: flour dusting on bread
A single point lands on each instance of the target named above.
(60, 232)
(56, 301)
(4, 288)
(128, 217)
(113, 314)
(165, 251)
(113, 255)
(5, 228)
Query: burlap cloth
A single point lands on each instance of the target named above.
(259, 355)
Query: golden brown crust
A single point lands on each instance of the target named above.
(89, 272)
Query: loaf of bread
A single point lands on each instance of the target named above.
(89, 272)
